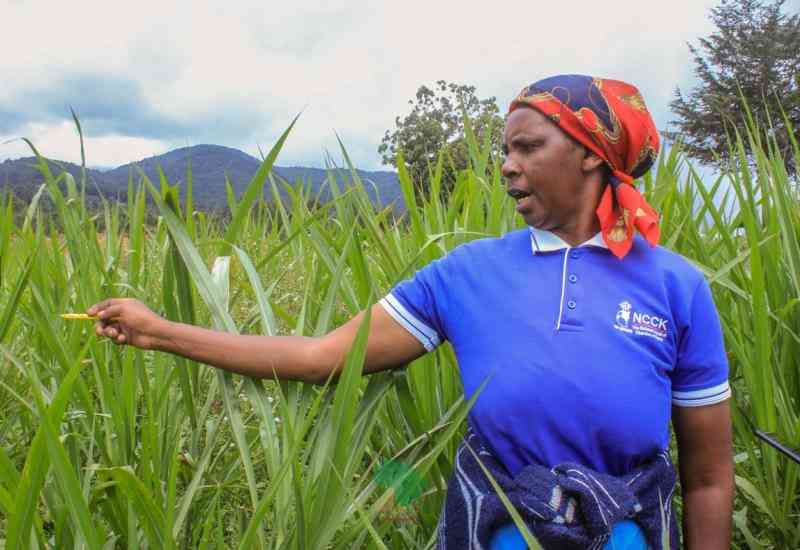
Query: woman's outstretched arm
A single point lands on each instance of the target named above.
(310, 359)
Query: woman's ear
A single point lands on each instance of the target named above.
(591, 161)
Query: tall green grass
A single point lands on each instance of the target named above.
(106, 447)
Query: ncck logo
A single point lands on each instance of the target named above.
(642, 324)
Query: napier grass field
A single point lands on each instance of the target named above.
(111, 447)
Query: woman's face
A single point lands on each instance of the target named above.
(545, 170)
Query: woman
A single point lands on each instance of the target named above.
(592, 339)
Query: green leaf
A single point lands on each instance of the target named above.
(251, 193)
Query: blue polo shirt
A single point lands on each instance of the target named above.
(587, 353)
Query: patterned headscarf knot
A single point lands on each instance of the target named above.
(610, 118)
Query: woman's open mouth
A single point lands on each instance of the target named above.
(519, 195)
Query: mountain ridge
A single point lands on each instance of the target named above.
(211, 165)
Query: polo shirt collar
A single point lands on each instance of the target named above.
(545, 241)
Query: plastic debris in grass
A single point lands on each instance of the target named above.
(407, 483)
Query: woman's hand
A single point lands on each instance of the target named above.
(127, 321)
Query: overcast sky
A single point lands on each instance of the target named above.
(146, 77)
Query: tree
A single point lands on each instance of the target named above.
(755, 55)
(435, 124)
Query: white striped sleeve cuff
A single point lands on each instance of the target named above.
(697, 398)
(427, 336)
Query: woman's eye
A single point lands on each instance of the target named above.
(529, 145)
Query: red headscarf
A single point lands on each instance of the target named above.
(610, 118)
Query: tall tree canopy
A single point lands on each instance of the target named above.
(755, 54)
(435, 123)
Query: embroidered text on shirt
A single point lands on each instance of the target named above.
(641, 324)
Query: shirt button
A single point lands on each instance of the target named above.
(574, 254)
(571, 304)
(573, 278)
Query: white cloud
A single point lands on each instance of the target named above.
(61, 141)
(352, 66)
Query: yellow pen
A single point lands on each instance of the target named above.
(78, 316)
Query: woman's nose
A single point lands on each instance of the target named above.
(509, 169)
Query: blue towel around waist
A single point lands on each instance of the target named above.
(568, 507)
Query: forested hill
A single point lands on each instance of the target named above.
(210, 165)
